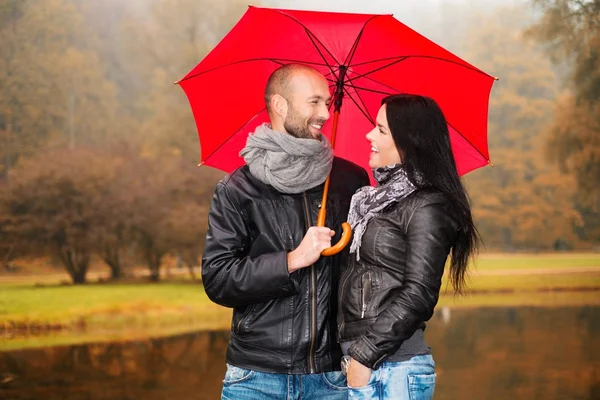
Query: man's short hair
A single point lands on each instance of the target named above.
(279, 82)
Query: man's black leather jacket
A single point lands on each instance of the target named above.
(282, 323)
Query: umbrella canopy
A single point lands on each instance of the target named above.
(365, 57)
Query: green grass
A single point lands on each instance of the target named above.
(487, 262)
(107, 306)
(141, 332)
(126, 311)
(519, 299)
(528, 283)
(104, 312)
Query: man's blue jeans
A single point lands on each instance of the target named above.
(244, 384)
(407, 380)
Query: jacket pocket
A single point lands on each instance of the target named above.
(240, 325)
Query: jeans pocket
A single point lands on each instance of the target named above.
(335, 379)
(236, 375)
(369, 392)
(421, 386)
(373, 380)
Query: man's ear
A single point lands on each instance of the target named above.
(279, 105)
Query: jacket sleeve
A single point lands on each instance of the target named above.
(430, 234)
(231, 277)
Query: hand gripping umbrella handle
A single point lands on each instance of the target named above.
(346, 229)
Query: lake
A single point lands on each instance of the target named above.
(481, 353)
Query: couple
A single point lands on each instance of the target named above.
(351, 325)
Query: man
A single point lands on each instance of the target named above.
(262, 253)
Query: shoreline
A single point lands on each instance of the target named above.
(25, 334)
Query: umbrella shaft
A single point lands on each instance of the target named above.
(323, 210)
(339, 89)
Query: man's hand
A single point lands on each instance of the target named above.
(315, 241)
(358, 374)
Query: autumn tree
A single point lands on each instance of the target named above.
(570, 29)
(52, 89)
(174, 40)
(170, 200)
(7, 242)
(188, 219)
(522, 202)
(51, 199)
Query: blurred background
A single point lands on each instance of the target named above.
(103, 208)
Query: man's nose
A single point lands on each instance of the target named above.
(324, 112)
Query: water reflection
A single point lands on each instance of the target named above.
(511, 353)
(182, 367)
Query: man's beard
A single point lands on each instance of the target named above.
(294, 125)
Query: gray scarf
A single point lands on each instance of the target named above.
(368, 202)
(289, 164)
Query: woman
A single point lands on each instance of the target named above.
(404, 230)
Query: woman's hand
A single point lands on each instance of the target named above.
(358, 374)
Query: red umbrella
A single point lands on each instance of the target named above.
(365, 57)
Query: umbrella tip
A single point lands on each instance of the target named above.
(491, 164)
(496, 78)
(176, 82)
(201, 163)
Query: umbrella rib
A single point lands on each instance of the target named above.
(357, 88)
(309, 33)
(355, 45)
(312, 39)
(468, 141)
(275, 60)
(332, 72)
(366, 114)
(234, 133)
(334, 81)
(379, 69)
(283, 61)
(361, 100)
(402, 58)
(453, 127)
(379, 83)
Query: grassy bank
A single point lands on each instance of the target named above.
(33, 315)
(496, 261)
(107, 306)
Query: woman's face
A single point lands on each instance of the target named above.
(383, 148)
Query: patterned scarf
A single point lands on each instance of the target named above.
(368, 202)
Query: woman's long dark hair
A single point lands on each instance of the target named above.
(421, 136)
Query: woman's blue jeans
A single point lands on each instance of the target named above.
(406, 380)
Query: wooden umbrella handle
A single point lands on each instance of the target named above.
(339, 246)
(346, 229)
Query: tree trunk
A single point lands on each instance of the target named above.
(191, 262)
(154, 259)
(6, 259)
(112, 259)
(507, 239)
(76, 264)
(153, 256)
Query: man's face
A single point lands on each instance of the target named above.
(308, 105)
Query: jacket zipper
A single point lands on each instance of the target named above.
(313, 294)
(244, 317)
(365, 292)
(345, 279)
